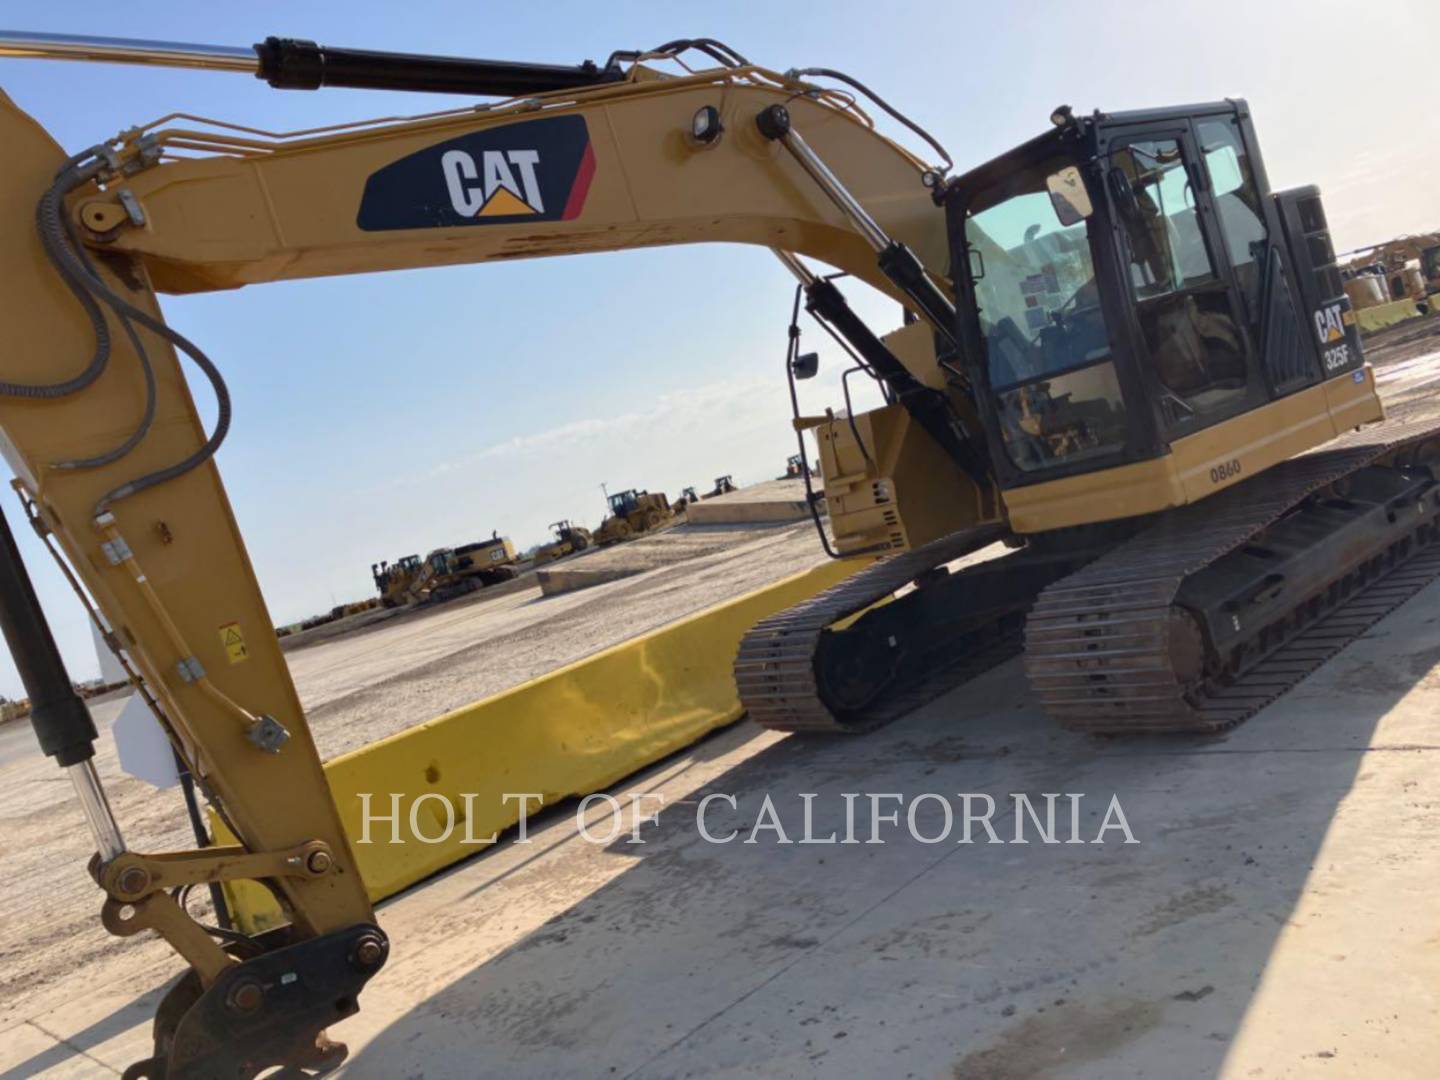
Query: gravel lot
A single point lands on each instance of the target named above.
(356, 688)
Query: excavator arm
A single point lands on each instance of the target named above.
(110, 453)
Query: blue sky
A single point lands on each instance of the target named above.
(386, 414)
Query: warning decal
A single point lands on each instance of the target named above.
(234, 642)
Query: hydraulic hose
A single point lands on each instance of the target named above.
(56, 241)
(716, 50)
(792, 349)
(87, 285)
(49, 223)
(148, 417)
(894, 113)
(217, 384)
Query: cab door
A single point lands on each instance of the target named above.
(1262, 266)
(1194, 335)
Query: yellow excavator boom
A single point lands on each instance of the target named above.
(100, 429)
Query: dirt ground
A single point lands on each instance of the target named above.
(356, 688)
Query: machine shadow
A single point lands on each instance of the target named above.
(74, 1051)
(856, 959)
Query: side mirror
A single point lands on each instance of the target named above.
(805, 365)
(1068, 196)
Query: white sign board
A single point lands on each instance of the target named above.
(110, 669)
(145, 752)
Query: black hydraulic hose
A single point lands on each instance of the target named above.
(148, 417)
(716, 50)
(792, 348)
(886, 391)
(48, 223)
(850, 410)
(54, 234)
(202, 835)
(56, 238)
(48, 217)
(896, 114)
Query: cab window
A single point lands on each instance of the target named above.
(1196, 349)
(1047, 345)
(1237, 201)
(1167, 249)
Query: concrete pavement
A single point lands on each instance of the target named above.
(1276, 918)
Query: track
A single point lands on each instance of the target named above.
(1105, 647)
(1101, 646)
(775, 668)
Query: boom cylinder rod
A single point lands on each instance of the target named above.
(296, 64)
(96, 807)
(821, 173)
(896, 261)
(803, 273)
(22, 43)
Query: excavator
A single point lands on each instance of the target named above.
(1128, 430)
(450, 572)
(445, 573)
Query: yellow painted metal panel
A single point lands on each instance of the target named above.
(1199, 465)
(570, 732)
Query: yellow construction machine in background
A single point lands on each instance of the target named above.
(723, 486)
(569, 539)
(795, 468)
(446, 572)
(632, 513)
(392, 580)
(451, 572)
(1406, 268)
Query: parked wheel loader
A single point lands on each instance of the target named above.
(1128, 385)
(723, 486)
(632, 513)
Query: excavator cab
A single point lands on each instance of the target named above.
(1128, 285)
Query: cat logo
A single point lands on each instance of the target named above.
(493, 188)
(535, 170)
(1330, 322)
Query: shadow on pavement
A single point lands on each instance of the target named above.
(976, 960)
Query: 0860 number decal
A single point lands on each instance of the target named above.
(1227, 471)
